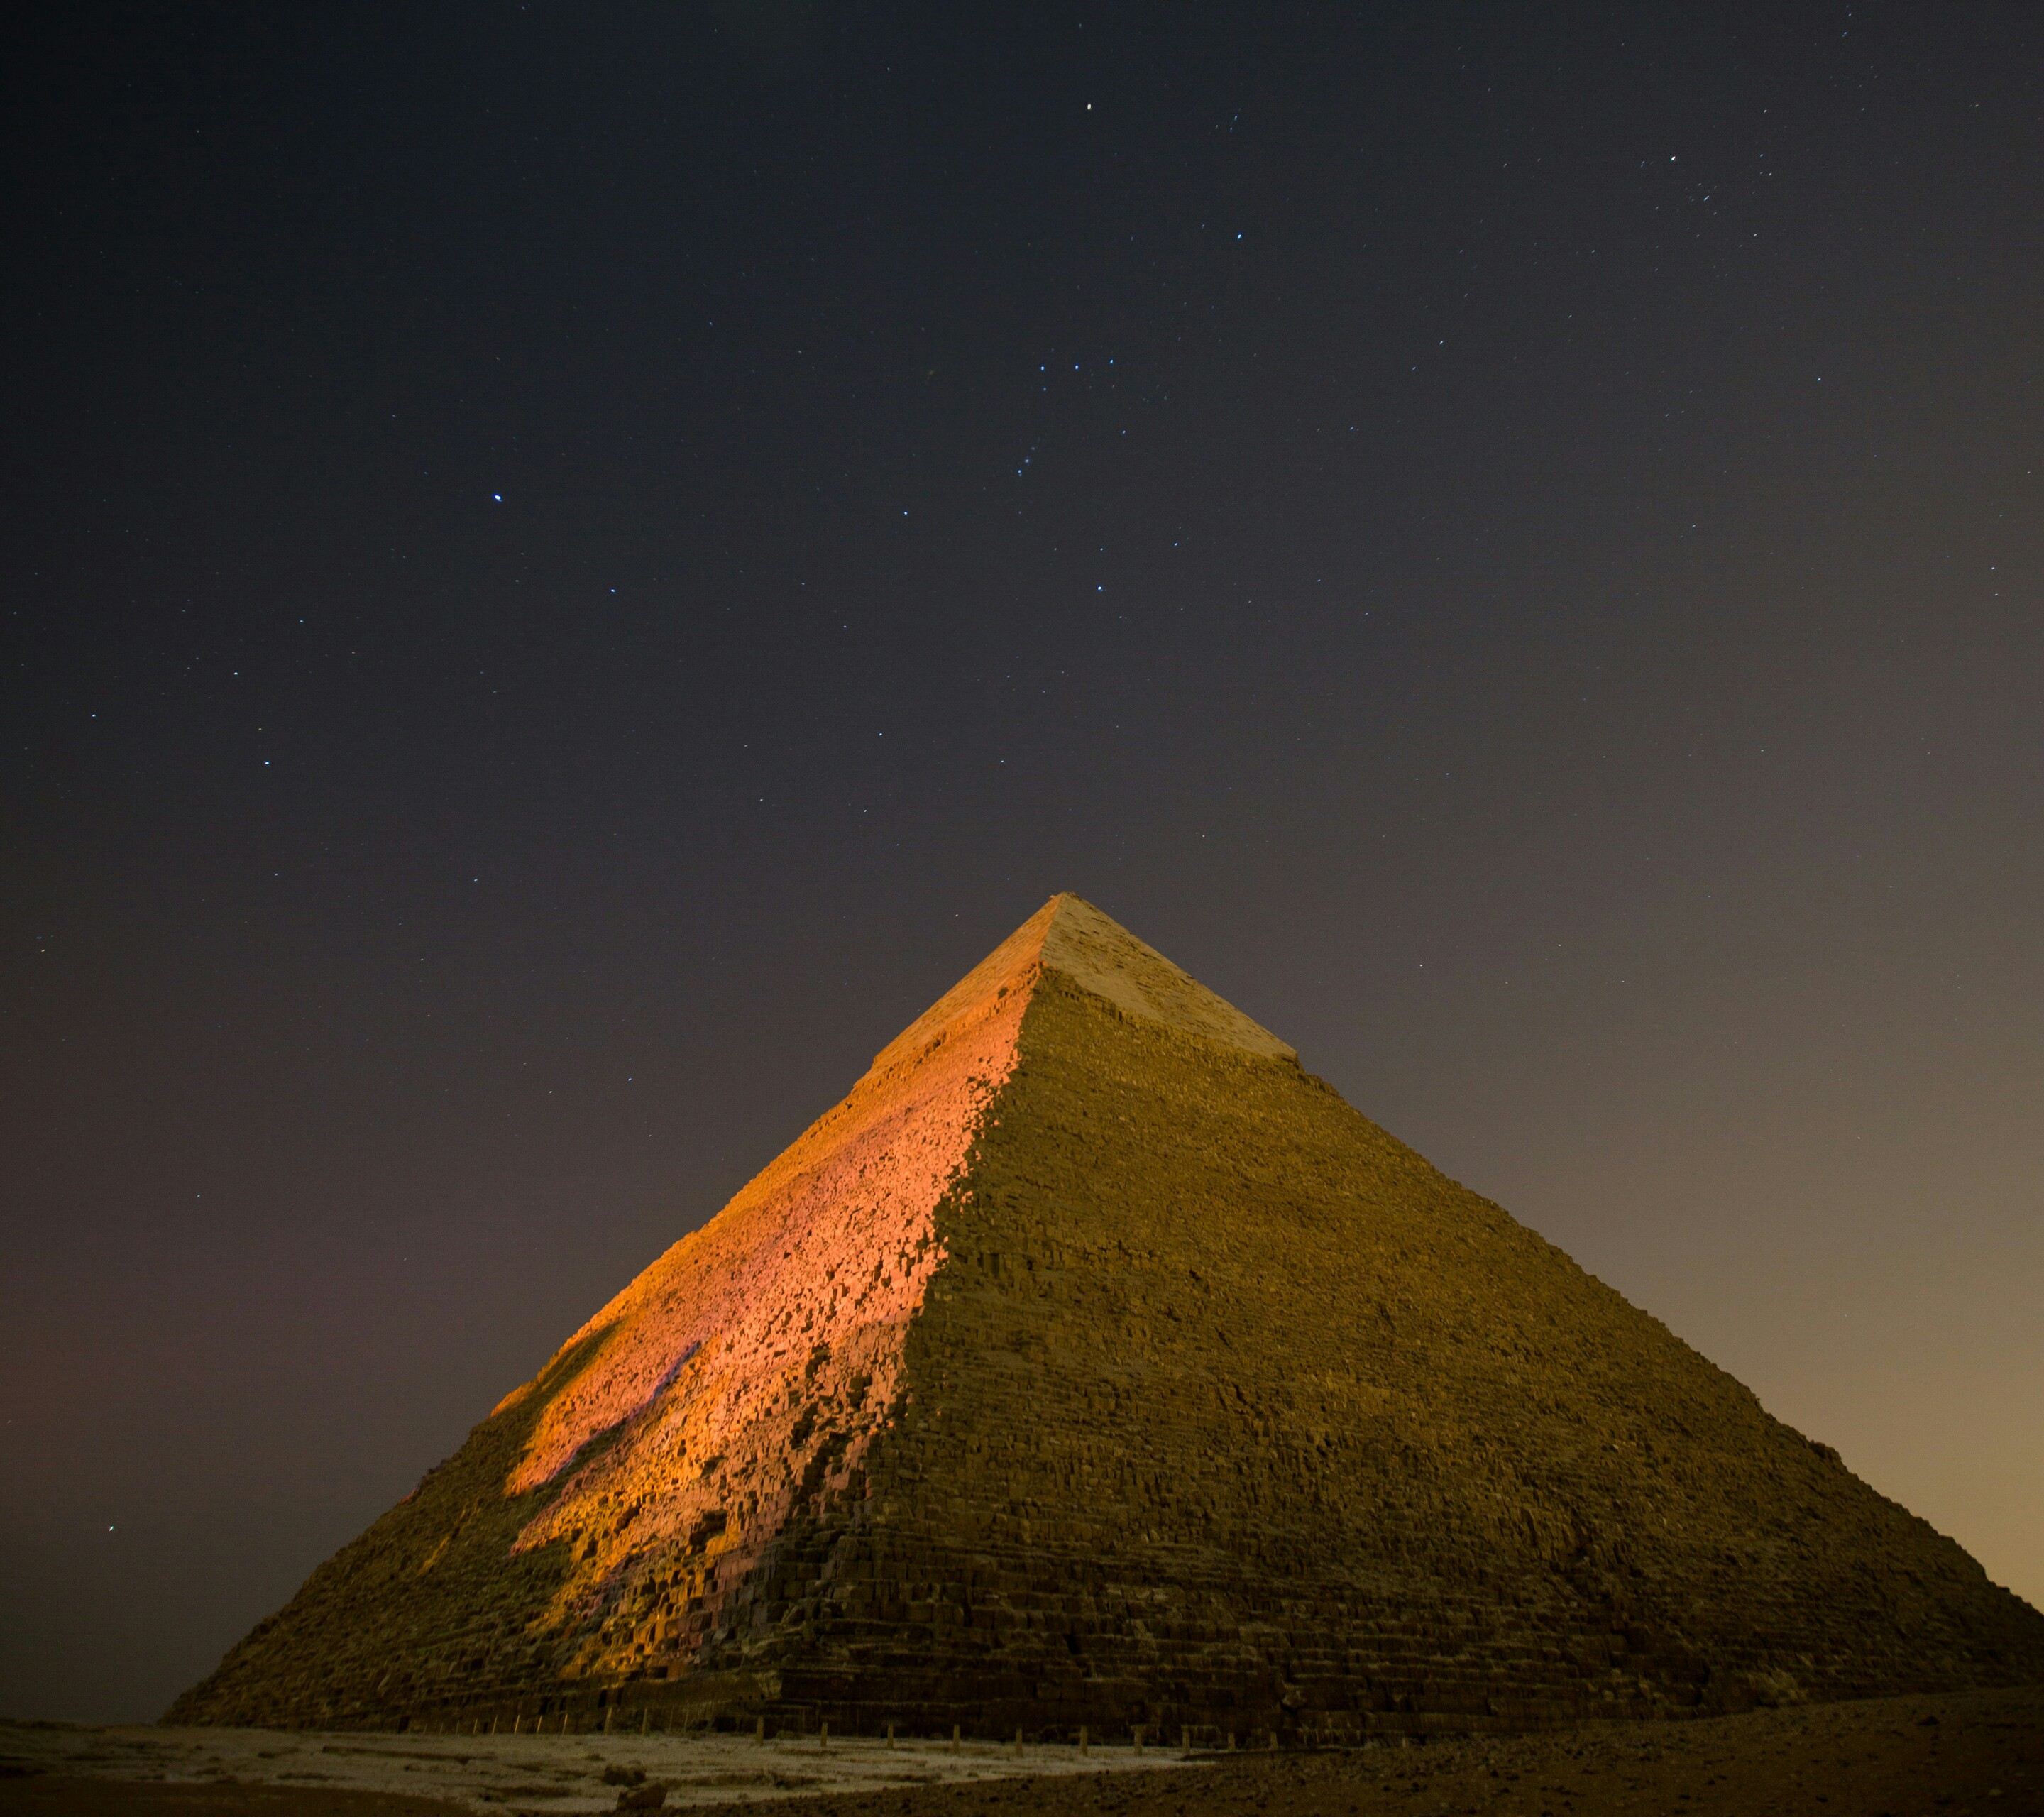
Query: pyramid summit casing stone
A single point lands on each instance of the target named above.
(1092, 1363)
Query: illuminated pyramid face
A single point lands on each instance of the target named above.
(1092, 1362)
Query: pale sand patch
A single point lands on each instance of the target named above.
(493, 1774)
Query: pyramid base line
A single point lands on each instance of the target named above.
(1001, 1705)
(988, 1644)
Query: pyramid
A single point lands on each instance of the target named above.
(1092, 1362)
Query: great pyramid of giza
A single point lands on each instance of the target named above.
(1092, 1362)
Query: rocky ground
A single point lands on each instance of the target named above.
(180, 1770)
(1981, 1753)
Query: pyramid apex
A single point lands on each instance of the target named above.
(1089, 948)
(1097, 953)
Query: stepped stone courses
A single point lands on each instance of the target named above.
(1093, 1363)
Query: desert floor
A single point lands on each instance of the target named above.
(1936, 1756)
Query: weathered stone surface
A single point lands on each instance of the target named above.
(1093, 1363)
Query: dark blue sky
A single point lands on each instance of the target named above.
(566, 571)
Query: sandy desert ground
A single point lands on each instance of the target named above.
(1981, 1753)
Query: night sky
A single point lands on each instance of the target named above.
(567, 569)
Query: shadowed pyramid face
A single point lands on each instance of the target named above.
(1092, 1362)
